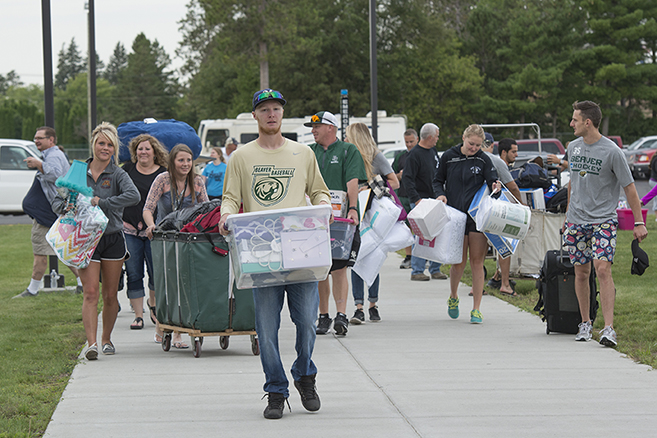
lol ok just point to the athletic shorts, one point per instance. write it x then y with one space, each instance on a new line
40 246
351 261
586 242
111 247
470 225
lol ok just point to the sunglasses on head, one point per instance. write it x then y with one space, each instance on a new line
269 94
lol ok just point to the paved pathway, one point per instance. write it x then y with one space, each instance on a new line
415 374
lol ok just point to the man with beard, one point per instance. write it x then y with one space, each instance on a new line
269 173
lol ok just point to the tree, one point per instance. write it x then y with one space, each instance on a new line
145 88
11 80
117 63
69 64
71 109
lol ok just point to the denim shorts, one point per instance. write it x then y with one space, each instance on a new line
586 242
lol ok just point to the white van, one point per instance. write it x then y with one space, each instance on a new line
245 129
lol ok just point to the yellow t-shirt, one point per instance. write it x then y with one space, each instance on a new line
265 179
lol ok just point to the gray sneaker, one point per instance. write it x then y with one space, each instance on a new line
108 348
608 337
92 352
439 276
406 263
25 294
584 333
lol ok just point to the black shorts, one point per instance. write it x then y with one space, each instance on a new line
470 225
351 261
111 247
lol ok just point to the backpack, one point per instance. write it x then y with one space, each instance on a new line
205 222
558 202
531 176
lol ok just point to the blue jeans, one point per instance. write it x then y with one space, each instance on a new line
140 252
358 289
418 264
303 303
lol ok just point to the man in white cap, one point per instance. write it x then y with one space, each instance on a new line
231 146
342 168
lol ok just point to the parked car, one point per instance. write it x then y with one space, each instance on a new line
638 155
391 153
15 177
616 139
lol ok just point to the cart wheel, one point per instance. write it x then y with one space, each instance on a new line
197 348
223 342
255 346
166 342
201 339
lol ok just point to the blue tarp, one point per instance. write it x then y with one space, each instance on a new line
168 132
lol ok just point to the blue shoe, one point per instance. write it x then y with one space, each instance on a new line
453 307
476 317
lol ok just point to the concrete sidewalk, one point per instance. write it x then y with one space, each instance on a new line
417 373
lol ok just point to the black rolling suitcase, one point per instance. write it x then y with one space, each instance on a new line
557 301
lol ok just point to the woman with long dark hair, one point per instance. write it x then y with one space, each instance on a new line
179 187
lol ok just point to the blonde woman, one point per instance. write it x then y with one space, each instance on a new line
113 191
462 171
375 164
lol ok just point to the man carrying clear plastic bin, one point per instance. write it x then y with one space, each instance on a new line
243 183
342 167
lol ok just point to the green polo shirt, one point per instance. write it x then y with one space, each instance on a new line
339 163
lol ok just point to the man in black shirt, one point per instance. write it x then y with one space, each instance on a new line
411 140
419 170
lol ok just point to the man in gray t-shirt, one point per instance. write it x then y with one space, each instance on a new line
597 171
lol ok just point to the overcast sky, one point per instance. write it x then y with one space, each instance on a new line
21 37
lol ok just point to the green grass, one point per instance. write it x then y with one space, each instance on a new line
40 339
635 313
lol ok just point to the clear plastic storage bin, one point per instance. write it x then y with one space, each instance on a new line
342 237
285 246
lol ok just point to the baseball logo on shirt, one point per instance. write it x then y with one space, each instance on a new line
270 185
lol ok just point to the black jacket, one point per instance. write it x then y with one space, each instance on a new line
460 177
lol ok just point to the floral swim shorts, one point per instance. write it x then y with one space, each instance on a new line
586 242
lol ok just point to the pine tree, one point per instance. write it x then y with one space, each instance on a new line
69 64
117 63
144 87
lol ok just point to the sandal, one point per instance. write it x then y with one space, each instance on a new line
137 324
180 345
155 338
152 312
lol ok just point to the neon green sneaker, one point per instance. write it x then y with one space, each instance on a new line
453 307
476 317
